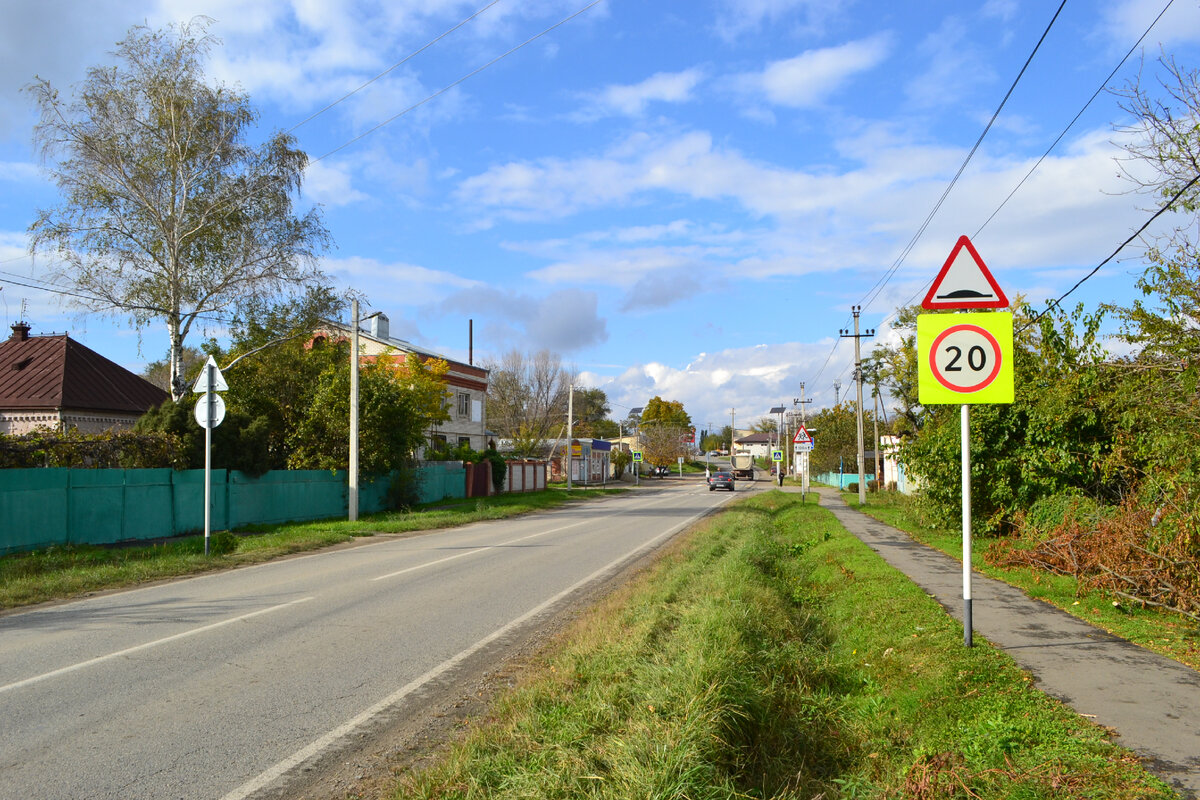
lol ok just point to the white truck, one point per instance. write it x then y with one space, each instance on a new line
743 465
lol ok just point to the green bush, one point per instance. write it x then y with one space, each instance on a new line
403 490
134 449
1050 512
852 487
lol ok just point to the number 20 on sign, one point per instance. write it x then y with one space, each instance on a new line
965 358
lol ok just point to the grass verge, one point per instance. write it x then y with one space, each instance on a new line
62 572
771 654
1154 629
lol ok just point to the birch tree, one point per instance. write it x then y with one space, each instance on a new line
168 213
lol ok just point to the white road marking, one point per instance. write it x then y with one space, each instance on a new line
331 738
146 646
509 543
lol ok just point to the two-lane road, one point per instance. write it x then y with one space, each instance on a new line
225 685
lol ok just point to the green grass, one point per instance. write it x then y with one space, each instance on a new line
64 572
1161 631
771 654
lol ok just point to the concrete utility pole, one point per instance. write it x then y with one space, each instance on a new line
862 478
878 460
352 499
570 433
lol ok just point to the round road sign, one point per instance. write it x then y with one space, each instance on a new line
965 358
202 410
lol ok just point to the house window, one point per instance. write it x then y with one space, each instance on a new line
438 441
464 440
464 405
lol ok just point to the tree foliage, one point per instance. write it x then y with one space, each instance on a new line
1097 460
527 399
667 413
168 212
664 427
397 405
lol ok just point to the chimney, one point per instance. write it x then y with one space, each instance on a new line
20 331
379 326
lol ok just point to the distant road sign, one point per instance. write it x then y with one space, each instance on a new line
802 436
637 456
964 282
777 455
965 358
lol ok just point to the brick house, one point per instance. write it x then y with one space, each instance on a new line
467 383
55 382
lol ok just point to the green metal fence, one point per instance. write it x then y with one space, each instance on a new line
45 507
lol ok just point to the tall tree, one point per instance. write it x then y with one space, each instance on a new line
527 399
664 427
168 213
666 413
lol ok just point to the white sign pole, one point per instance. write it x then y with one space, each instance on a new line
210 408
966 522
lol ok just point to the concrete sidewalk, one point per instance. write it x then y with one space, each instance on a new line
1151 701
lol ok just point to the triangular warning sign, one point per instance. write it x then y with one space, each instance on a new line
217 384
964 282
802 436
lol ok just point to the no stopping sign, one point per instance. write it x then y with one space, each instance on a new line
965 358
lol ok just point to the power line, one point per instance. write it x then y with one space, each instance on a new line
875 290
1075 119
463 79
1166 207
1054 144
399 63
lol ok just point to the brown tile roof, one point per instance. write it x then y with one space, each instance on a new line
52 372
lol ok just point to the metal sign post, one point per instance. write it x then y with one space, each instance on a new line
964 359
966 523
210 412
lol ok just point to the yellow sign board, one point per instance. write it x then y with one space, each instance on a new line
965 358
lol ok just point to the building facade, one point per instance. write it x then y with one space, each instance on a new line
466 384
57 383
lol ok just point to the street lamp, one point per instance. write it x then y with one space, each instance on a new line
780 410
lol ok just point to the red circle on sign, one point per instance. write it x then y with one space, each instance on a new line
983 384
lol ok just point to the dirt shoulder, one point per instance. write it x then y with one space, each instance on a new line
416 734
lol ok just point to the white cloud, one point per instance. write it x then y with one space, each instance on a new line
806 80
1122 22
632 100
738 17
330 184
954 67
19 172
749 380
563 321
391 285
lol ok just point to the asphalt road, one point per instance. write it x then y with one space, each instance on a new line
231 684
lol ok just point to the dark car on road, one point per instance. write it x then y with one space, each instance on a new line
721 480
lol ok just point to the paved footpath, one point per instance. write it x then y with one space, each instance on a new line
1152 702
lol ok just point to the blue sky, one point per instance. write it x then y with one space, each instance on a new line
682 199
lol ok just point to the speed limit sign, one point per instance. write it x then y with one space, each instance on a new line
965 358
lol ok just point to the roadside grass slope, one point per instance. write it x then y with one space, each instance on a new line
771 654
